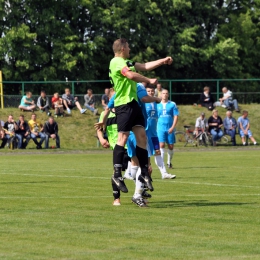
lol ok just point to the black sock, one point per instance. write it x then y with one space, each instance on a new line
142 156
118 157
116 191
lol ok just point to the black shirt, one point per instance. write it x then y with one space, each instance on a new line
213 120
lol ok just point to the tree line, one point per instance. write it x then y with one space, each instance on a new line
55 40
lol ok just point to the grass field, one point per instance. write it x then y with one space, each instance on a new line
59 206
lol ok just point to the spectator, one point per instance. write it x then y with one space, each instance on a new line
90 101
228 101
201 124
36 129
70 102
27 103
57 104
206 99
158 90
43 103
244 128
10 127
230 126
23 132
51 131
215 123
105 98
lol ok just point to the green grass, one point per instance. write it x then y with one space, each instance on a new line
77 131
59 206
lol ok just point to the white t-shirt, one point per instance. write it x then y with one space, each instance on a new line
228 94
201 123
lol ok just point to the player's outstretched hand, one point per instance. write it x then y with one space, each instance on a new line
99 125
153 81
168 60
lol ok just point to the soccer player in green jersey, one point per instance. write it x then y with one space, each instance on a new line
123 77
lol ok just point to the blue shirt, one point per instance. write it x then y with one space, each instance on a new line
244 121
152 117
166 112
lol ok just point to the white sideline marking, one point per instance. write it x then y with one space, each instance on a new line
106 178
128 196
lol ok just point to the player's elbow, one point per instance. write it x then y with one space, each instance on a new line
130 75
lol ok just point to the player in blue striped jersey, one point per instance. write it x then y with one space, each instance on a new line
151 133
167 119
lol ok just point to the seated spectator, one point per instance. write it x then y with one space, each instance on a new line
69 102
230 126
23 132
244 128
10 127
206 99
105 98
227 100
27 103
90 101
2 133
36 129
43 103
215 123
201 125
158 90
51 131
57 104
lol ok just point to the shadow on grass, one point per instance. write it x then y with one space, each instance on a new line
196 203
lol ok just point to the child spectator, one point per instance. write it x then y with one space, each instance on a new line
90 101
43 103
69 102
244 128
57 105
27 103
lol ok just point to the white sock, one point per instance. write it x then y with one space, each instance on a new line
139 187
244 143
170 155
134 170
162 153
160 164
255 142
128 170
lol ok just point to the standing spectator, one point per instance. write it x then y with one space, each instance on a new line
36 129
228 100
57 104
10 127
206 99
51 131
230 126
167 119
215 123
201 124
90 101
23 132
105 98
244 128
27 103
69 102
43 103
158 90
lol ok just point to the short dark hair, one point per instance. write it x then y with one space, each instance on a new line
245 112
22 116
43 91
150 86
119 44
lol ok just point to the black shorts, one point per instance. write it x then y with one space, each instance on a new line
128 116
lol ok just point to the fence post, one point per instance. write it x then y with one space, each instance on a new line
217 90
73 88
22 88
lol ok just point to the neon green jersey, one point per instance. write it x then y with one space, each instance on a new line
111 128
125 88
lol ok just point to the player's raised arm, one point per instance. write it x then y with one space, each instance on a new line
153 64
138 77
